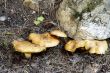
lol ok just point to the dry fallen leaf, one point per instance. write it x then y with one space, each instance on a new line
32 4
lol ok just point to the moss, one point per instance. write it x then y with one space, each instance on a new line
77 14
91 5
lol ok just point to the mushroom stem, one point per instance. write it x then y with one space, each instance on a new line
27 55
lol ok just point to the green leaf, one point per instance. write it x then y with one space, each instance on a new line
37 22
40 18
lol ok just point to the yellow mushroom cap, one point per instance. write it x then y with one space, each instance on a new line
44 39
27 47
80 43
90 44
102 47
70 46
58 33
93 46
49 40
27 2
36 39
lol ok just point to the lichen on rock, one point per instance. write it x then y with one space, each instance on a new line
94 24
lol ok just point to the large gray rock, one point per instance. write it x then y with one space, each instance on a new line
85 19
94 24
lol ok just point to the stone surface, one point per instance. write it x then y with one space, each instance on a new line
85 19
64 15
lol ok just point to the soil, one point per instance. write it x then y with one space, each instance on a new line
19 24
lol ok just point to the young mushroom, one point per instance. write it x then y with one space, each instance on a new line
70 46
90 45
44 39
58 33
27 48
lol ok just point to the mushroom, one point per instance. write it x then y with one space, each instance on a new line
27 55
80 43
93 46
102 47
27 48
72 45
39 43
90 45
58 33
44 39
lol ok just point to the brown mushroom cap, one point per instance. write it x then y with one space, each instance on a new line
58 33
27 47
44 39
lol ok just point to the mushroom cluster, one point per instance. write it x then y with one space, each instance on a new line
93 46
86 21
40 42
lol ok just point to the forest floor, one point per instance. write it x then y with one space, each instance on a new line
18 24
